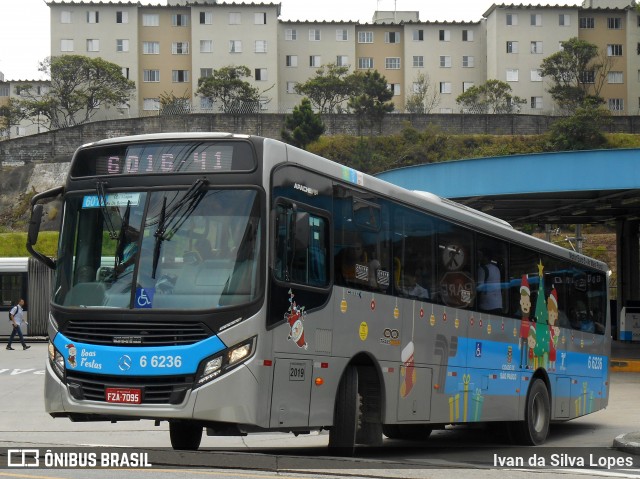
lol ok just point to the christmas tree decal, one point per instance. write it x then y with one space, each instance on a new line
541 351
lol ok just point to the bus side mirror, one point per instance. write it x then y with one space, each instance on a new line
34 224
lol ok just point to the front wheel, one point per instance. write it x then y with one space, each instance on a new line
346 415
534 429
185 436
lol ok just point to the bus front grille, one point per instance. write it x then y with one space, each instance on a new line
136 333
155 390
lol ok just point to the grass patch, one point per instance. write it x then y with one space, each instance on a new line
15 244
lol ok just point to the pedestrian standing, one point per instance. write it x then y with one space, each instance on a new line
16 315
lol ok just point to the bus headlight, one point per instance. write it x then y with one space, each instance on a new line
214 366
56 360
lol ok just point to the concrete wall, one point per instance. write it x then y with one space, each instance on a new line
58 146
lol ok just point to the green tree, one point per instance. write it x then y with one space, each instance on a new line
170 104
578 72
303 126
371 99
79 86
228 88
11 114
423 97
580 131
493 96
328 89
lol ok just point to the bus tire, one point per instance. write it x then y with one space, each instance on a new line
185 436
407 432
534 429
370 424
346 415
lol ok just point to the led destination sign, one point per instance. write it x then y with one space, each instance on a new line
164 158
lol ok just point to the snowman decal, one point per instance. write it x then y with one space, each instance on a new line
295 316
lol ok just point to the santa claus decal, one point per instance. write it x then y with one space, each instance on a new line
295 317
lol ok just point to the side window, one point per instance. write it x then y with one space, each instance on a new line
454 272
491 267
413 269
523 282
301 245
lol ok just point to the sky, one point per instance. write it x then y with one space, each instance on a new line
25 31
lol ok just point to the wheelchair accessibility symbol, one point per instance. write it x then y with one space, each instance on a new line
144 297
478 350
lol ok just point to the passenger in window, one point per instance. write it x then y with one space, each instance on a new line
203 247
554 330
488 286
525 322
411 287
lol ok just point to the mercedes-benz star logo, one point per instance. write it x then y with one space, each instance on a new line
124 363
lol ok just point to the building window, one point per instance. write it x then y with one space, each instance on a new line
536 103
342 61
291 34
125 72
512 47
365 37
151 76
261 46
206 46
536 47
235 18
151 48
342 35
395 88
466 85
122 17
151 104
180 76
261 74
291 60
365 63
180 48
65 16
93 45
315 61
512 19
314 35
66 45
206 103
444 35
206 72
179 20
418 35
93 16
536 75
418 61
614 23
616 104
564 20
392 37
206 18
536 20
467 35
150 20
260 18
468 62
4 90
587 22
392 63
122 45
291 87
614 50
615 77
445 61
235 46
512 74
588 76
445 87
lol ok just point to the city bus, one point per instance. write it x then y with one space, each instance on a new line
235 284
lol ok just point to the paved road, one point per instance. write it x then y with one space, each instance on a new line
25 425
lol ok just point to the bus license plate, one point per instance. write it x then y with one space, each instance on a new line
124 396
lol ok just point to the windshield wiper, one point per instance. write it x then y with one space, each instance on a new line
102 201
120 248
170 221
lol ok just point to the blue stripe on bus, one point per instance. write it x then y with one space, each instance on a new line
491 365
136 361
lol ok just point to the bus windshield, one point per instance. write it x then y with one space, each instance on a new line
169 249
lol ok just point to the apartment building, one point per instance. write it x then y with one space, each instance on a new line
12 89
165 49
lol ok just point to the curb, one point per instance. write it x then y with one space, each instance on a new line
625 365
629 443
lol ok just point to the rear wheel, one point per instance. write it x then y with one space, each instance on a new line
346 414
185 436
534 429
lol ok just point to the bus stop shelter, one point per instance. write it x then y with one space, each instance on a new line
577 187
